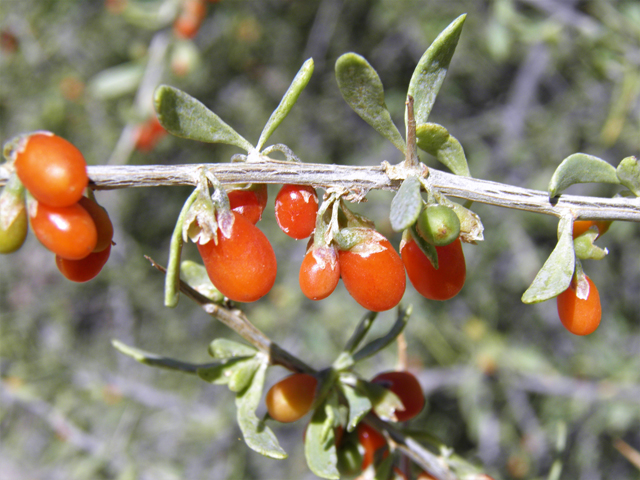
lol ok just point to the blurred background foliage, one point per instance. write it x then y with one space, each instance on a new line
532 81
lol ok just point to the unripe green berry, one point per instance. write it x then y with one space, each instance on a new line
12 238
439 225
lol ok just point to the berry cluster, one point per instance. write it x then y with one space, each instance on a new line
293 397
72 226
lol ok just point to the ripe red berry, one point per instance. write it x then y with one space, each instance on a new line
190 18
84 269
52 169
101 219
371 441
296 209
149 134
373 273
581 226
250 202
580 317
443 283
243 265
291 398
408 390
319 272
67 231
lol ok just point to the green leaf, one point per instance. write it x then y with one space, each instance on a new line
195 275
555 275
154 360
184 116
220 373
581 168
116 81
288 101
628 172
362 89
471 228
384 402
359 405
360 332
383 470
152 15
320 443
256 434
378 344
406 204
431 70
585 248
436 140
429 250
222 349
172 277
241 376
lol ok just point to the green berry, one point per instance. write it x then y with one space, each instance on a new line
439 225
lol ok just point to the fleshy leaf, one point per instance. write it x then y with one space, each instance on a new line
222 348
320 444
197 278
581 168
288 101
362 89
628 172
116 81
384 401
256 434
359 405
431 70
585 248
361 330
555 275
380 343
184 116
154 360
406 205
220 373
436 140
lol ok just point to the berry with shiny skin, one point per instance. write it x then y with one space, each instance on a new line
406 387
319 272
580 317
291 398
296 209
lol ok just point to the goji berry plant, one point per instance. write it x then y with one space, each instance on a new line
521 368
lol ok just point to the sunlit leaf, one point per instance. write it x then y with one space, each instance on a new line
288 101
195 275
184 116
555 275
471 228
359 405
360 332
222 348
220 373
154 360
383 401
581 168
362 89
628 172
378 344
116 81
585 248
256 434
241 376
406 204
152 15
436 140
431 70
320 444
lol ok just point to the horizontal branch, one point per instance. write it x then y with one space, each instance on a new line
360 180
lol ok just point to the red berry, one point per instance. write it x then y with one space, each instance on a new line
84 269
149 134
67 231
580 317
250 202
190 18
581 226
443 283
101 219
319 272
296 209
290 399
408 390
52 169
371 440
243 265
373 273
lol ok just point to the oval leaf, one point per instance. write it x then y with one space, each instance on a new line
288 101
406 205
431 70
384 402
320 444
581 168
184 116
436 140
220 373
222 349
195 275
257 435
359 405
241 376
362 89
555 275
116 81
628 172
585 248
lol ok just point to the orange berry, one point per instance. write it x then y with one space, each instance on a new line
580 317
291 398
